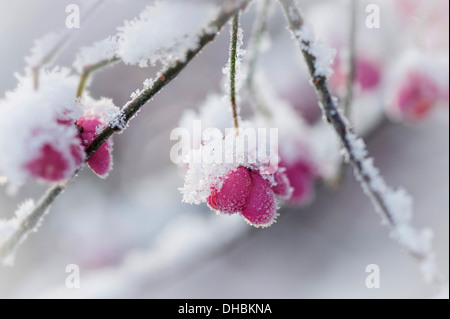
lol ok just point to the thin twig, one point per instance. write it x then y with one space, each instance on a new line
351 75
233 63
127 113
31 221
87 71
347 137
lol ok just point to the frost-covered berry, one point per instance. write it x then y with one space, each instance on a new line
260 209
282 187
101 161
232 196
418 83
301 175
50 165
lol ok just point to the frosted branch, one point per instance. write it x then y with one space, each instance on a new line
27 223
229 10
395 207
233 65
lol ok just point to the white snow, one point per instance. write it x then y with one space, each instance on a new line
103 109
44 47
164 32
323 55
9 227
100 51
29 119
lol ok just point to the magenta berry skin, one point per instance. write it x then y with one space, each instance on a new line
50 165
260 209
232 197
283 187
301 175
367 74
101 161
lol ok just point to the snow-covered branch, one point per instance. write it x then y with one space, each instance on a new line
27 219
119 123
395 206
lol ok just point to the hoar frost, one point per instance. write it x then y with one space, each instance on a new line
33 121
157 34
9 227
101 51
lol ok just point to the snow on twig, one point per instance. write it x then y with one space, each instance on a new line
394 206
120 122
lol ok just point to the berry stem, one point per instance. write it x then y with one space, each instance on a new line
88 70
233 63
230 8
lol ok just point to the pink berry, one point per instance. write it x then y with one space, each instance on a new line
283 187
301 175
232 197
51 165
367 74
101 161
260 209
416 97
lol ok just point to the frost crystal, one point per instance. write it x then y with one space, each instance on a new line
9 227
101 51
43 47
31 119
324 55
157 34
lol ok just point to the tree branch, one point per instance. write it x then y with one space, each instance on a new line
373 184
230 8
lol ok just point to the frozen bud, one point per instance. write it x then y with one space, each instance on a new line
260 209
232 196
101 161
